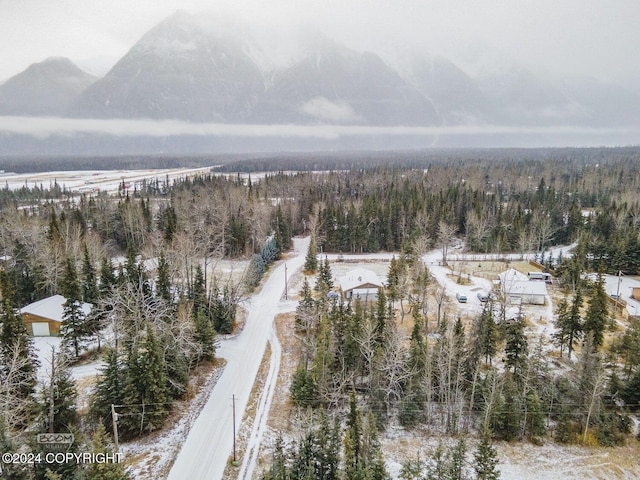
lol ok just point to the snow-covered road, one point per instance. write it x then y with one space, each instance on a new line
206 450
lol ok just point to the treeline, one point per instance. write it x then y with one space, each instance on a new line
507 207
42 163
319 161
421 159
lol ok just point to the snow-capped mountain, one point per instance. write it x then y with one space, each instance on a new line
213 69
44 88
179 69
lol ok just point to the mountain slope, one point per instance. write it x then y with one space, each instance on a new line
454 93
332 84
44 88
179 69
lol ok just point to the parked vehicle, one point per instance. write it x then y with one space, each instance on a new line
461 298
483 297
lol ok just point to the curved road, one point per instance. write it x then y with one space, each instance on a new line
209 445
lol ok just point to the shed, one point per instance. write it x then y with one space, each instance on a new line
43 318
544 276
360 283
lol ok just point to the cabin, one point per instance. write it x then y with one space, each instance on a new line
360 283
635 293
43 318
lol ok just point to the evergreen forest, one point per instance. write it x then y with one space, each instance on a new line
146 261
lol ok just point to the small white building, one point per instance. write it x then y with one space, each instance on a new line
519 290
528 292
540 276
360 283
43 318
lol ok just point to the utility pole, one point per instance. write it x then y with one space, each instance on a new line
52 388
114 420
233 399
286 288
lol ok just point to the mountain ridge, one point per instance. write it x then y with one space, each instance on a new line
190 68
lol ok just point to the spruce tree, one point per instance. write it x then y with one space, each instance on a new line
507 412
486 460
104 470
324 283
485 334
393 279
305 311
304 392
570 322
58 404
597 314
516 346
458 461
205 335
372 460
561 335
353 441
107 278
89 282
74 328
413 398
381 317
534 426
108 390
163 282
311 260
328 456
145 388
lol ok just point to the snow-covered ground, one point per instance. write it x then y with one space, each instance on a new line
42 349
207 448
88 181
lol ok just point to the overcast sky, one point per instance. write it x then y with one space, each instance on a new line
599 38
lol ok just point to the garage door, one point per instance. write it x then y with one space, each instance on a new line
40 329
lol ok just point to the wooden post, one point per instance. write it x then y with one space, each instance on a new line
52 387
114 420
233 399
286 287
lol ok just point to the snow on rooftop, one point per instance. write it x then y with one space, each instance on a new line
358 277
512 275
526 287
51 308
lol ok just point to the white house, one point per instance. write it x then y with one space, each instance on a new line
43 318
518 289
360 283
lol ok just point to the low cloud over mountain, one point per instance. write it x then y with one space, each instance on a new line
190 69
